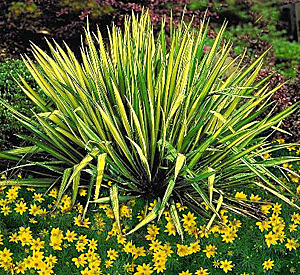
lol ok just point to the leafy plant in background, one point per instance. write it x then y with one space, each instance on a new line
173 124
86 7
28 9
12 94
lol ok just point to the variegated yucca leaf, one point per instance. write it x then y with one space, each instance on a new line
164 121
176 220
149 217
115 204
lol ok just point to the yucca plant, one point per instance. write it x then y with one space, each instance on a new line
167 122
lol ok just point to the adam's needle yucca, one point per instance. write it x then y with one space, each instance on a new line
172 123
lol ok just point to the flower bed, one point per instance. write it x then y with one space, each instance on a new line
34 241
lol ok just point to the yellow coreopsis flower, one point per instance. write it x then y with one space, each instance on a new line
210 251
51 260
37 244
128 247
56 238
13 238
93 244
82 192
190 228
276 208
159 256
295 217
144 269
229 235
295 179
255 197
195 247
138 252
108 263
34 209
81 223
226 265
152 229
266 156
268 264
53 193
168 249
83 239
121 239
264 225
278 228
38 197
80 261
241 195
3 202
271 239
37 259
95 266
280 141
183 250
159 267
20 267
185 273
152 204
281 236
109 213
292 244
5 255
24 230
170 229
265 208
70 236
5 210
180 207
235 224
12 194
293 227
202 271
189 219
25 238
112 254
56 243
275 219
141 215
56 232
155 245
125 211
21 207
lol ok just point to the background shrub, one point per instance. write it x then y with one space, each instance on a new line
11 93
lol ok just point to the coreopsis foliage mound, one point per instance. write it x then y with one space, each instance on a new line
176 124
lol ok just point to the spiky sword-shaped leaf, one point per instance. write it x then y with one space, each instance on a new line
115 205
176 220
150 217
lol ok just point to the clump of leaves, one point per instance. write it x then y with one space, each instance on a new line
175 124
12 93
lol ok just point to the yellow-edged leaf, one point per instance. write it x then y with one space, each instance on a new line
100 172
